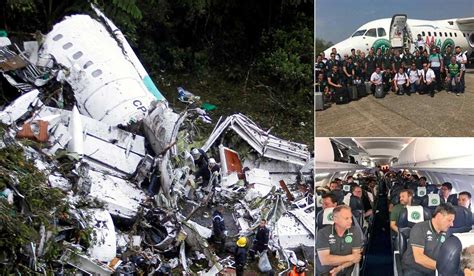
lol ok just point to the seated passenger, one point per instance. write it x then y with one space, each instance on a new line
467 261
464 199
425 242
339 246
364 201
406 197
336 190
445 194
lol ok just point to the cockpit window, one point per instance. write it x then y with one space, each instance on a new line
371 32
381 32
359 33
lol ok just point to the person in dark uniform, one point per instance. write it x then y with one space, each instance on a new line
338 246
348 70
448 53
445 194
425 242
371 63
207 172
240 256
335 80
396 61
354 56
320 66
218 229
262 236
418 60
323 87
200 158
387 61
379 58
363 65
408 59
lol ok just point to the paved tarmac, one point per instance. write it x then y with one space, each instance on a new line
445 115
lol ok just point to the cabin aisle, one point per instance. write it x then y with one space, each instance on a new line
379 256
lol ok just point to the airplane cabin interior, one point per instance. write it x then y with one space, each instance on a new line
385 168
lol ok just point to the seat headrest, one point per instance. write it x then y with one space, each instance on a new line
319 201
327 216
466 239
415 214
421 191
411 215
346 188
448 261
433 200
463 217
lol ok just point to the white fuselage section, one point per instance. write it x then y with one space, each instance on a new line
435 32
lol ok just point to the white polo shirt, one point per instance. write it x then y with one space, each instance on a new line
413 75
429 75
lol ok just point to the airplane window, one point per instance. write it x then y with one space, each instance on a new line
371 32
464 34
451 34
67 45
89 63
77 55
57 37
446 34
97 73
429 33
422 33
434 34
455 34
381 32
359 33
441 34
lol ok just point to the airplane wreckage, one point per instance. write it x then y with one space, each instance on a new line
97 175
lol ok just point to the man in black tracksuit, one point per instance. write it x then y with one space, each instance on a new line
260 242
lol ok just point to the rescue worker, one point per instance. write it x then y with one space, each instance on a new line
218 229
338 246
406 198
298 269
205 173
262 236
240 256
200 158
425 242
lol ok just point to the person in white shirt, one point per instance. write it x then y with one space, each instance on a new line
462 59
420 43
414 78
427 80
375 79
401 83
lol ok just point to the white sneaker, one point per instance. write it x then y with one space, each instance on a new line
457 94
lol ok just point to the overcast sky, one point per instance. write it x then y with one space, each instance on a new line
338 19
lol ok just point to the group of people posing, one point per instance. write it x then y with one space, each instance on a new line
398 70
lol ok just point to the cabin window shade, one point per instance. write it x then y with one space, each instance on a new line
371 32
423 33
429 33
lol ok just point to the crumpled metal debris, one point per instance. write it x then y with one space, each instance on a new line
132 209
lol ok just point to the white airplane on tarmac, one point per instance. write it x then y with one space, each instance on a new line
399 31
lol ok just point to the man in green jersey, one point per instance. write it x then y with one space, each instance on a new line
454 76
